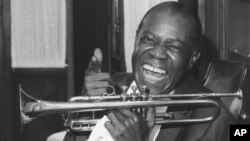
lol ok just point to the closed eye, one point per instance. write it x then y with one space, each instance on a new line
147 39
174 48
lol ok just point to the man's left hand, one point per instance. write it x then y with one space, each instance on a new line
125 125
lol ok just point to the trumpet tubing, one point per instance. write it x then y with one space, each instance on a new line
32 108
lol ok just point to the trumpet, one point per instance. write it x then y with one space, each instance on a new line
32 108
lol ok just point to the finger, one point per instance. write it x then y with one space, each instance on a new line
129 115
98 54
96 84
116 119
128 123
109 126
119 115
96 92
94 66
95 62
132 121
97 76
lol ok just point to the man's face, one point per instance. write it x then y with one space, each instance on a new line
162 52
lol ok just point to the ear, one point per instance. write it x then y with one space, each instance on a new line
194 57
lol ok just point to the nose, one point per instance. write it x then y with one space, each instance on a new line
159 52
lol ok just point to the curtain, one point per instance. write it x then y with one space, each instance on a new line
38 33
134 10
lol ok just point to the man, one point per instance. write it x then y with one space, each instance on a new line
166 47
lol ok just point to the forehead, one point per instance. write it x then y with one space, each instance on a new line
166 25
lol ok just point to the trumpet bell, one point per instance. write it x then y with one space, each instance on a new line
25 104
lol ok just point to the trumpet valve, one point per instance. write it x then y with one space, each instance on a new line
134 97
124 95
145 92
134 88
144 97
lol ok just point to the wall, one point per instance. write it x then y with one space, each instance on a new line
9 129
91 22
237 30
45 84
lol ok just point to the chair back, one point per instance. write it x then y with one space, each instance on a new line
228 76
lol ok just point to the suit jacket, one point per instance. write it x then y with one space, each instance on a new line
217 130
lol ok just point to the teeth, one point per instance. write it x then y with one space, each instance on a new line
153 78
156 70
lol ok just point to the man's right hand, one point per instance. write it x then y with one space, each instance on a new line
95 82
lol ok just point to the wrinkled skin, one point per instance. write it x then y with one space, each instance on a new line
163 44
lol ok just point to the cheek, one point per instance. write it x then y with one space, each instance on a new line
179 66
137 56
135 60
180 60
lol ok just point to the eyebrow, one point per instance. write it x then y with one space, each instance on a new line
166 41
170 40
152 34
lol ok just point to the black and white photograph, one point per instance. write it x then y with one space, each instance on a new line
124 70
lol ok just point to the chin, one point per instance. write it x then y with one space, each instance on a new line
158 90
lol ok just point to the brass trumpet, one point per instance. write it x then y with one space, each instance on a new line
32 108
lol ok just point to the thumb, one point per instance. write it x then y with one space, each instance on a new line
98 54
95 63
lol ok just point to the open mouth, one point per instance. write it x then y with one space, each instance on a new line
153 74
